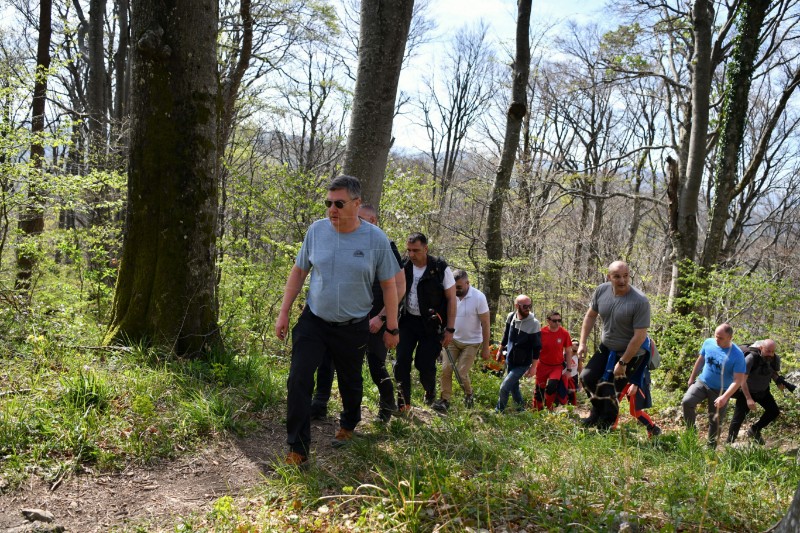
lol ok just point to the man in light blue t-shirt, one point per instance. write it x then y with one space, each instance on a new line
344 255
723 372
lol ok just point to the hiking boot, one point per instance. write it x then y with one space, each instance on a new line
343 436
441 405
653 431
295 459
755 435
318 413
430 397
384 415
589 421
469 401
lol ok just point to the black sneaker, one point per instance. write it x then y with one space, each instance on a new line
755 435
654 431
441 405
318 414
430 397
469 401
384 415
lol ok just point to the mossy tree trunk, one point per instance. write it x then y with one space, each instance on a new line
735 106
516 112
165 293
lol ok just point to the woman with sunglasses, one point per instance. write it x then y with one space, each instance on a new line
553 365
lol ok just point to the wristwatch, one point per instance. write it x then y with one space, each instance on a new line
395 331
451 330
622 363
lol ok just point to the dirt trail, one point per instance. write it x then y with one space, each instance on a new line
156 494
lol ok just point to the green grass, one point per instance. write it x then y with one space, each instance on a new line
69 407
533 471
74 407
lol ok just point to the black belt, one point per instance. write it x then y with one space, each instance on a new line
341 324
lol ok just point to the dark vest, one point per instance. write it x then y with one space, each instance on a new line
430 290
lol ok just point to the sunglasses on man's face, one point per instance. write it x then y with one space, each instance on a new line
524 306
554 319
338 203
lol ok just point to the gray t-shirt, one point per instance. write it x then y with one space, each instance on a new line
621 314
759 376
343 266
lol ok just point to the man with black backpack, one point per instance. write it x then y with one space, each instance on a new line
427 322
763 366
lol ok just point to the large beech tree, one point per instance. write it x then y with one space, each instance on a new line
381 46
165 291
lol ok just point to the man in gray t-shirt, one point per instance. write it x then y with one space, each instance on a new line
344 256
763 366
625 311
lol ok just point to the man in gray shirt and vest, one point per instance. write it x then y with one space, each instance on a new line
344 255
624 346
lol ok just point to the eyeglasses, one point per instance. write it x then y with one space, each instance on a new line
338 203
554 320
524 306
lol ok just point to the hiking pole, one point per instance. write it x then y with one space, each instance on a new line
453 364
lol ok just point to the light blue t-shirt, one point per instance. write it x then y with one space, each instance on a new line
721 364
343 266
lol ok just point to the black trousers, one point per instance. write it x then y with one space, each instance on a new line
313 340
376 360
764 399
603 395
413 336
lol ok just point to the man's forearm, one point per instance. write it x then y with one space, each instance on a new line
586 326
696 368
390 300
452 306
733 387
294 284
634 345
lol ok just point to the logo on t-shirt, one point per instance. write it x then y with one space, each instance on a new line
358 253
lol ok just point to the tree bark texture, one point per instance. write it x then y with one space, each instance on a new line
31 221
514 116
735 104
122 88
96 85
684 191
382 42
165 291
791 522
685 240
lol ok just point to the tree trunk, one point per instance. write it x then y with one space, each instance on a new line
121 63
31 220
96 85
165 291
382 42
735 105
516 112
686 193
790 522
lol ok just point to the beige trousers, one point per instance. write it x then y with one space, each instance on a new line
464 356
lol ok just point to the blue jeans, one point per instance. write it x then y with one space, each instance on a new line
510 385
